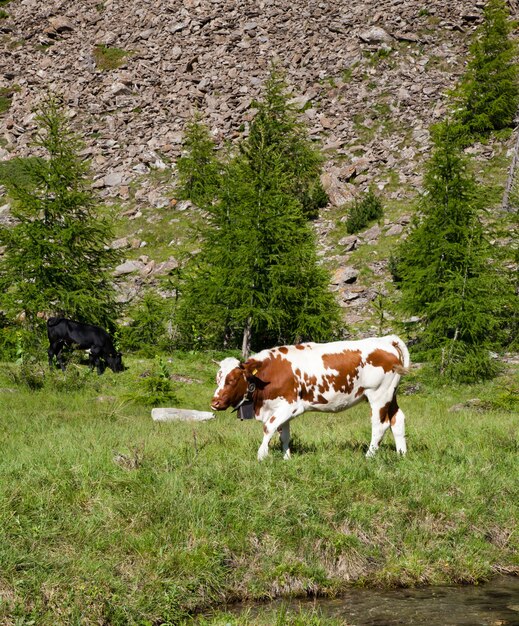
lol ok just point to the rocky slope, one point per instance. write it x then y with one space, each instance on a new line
369 76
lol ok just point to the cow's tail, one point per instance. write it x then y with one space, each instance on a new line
403 354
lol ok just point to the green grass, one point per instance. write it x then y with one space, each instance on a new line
6 93
108 517
107 58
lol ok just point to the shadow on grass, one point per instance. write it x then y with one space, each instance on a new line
300 446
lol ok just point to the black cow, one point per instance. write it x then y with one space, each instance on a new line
63 332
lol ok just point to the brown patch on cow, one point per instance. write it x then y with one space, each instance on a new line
283 350
383 359
277 372
326 384
310 379
321 399
347 364
272 419
301 346
306 394
251 367
360 391
389 410
265 429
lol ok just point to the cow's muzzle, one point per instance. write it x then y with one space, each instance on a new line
216 405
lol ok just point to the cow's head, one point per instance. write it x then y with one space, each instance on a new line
115 362
233 380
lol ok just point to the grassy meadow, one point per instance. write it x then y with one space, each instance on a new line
107 517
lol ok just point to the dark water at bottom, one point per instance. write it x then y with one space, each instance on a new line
495 603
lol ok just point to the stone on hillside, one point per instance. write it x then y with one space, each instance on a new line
395 229
128 267
375 34
147 269
120 89
114 179
166 267
338 193
60 24
350 242
344 276
120 243
372 234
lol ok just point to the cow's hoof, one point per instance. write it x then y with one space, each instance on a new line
262 454
286 456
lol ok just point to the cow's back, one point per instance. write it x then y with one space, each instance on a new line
84 335
320 371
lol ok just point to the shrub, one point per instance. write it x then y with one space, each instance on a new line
363 211
149 329
74 378
29 373
155 387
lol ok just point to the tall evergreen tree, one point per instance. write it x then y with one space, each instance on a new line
256 280
446 269
198 168
56 256
277 125
489 91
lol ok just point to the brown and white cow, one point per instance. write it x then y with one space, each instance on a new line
286 381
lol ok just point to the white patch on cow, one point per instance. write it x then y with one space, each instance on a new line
226 366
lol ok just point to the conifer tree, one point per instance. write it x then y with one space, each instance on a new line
56 255
446 271
256 281
198 168
489 92
276 125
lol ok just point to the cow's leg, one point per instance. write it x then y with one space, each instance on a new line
285 440
92 360
276 421
386 413
378 430
50 352
398 430
382 409
95 360
54 350
58 351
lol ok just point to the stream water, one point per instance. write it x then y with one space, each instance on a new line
495 603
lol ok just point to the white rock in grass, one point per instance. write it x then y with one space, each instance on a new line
185 415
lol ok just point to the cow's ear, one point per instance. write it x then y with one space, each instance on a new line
252 372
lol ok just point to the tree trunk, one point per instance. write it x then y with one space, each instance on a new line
245 346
